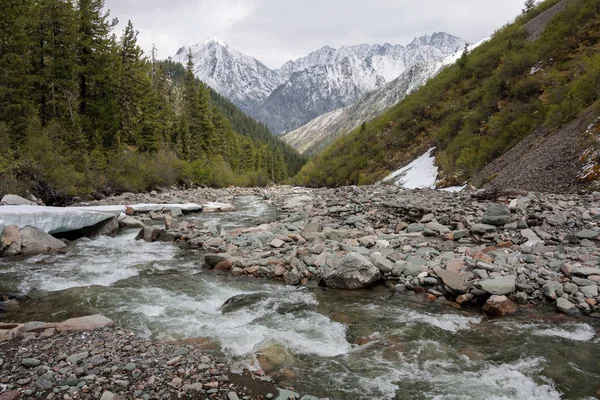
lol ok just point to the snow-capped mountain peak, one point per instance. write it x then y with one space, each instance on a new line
217 40
324 80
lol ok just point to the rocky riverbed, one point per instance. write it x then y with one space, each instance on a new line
472 247
267 284
87 358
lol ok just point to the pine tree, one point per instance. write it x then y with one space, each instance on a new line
16 105
529 5
134 88
98 58
55 63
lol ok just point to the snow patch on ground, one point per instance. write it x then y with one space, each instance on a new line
419 174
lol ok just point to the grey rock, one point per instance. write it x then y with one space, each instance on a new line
497 286
11 241
497 215
353 271
130 222
111 396
570 288
382 263
108 227
550 289
482 229
566 306
586 271
277 243
582 281
589 291
453 280
36 242
291 278
14 200
149 234
587 234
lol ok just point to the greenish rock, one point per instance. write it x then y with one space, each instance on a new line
130 366
589 291
498 286
284 394
415 228
586 271
30 362
75 358
497 215
182 351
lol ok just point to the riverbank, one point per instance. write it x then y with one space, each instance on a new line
89 358
473 248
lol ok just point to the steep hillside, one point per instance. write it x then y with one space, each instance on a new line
325 80
477 110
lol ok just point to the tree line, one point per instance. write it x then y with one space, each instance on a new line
83 110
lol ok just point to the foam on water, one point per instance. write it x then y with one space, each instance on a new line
101 262
447 322
242 331
579 332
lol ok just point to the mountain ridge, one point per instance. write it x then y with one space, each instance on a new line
302 89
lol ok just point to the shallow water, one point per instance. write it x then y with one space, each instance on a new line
345 345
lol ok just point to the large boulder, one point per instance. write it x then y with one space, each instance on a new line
88 323
499 306
566 306
498 215
149 234
213 259
36 242
14 200
353 271
10 241
497 286
453 280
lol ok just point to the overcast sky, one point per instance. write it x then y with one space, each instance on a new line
275 31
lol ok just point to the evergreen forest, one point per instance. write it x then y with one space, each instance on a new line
84 111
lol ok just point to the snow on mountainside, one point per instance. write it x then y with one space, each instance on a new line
318 133
245 81
323 81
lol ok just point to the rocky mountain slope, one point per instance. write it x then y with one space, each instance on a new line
323 81
533 87
321 131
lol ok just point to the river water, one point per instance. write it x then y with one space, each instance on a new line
368 344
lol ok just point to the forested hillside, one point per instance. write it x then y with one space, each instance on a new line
479 108
83 110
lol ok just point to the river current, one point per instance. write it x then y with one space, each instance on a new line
370 344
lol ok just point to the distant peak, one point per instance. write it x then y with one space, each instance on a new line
214 39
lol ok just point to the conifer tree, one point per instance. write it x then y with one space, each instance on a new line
16 105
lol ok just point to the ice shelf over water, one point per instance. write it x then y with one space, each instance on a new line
65 219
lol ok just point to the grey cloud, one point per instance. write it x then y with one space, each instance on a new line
275 31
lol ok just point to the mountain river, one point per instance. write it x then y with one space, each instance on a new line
369 344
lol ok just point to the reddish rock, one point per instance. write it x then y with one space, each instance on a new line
12 395
591 302
454 265
431 298
279 270
226 265
252 270
129 211
483 257
464 298
499 306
